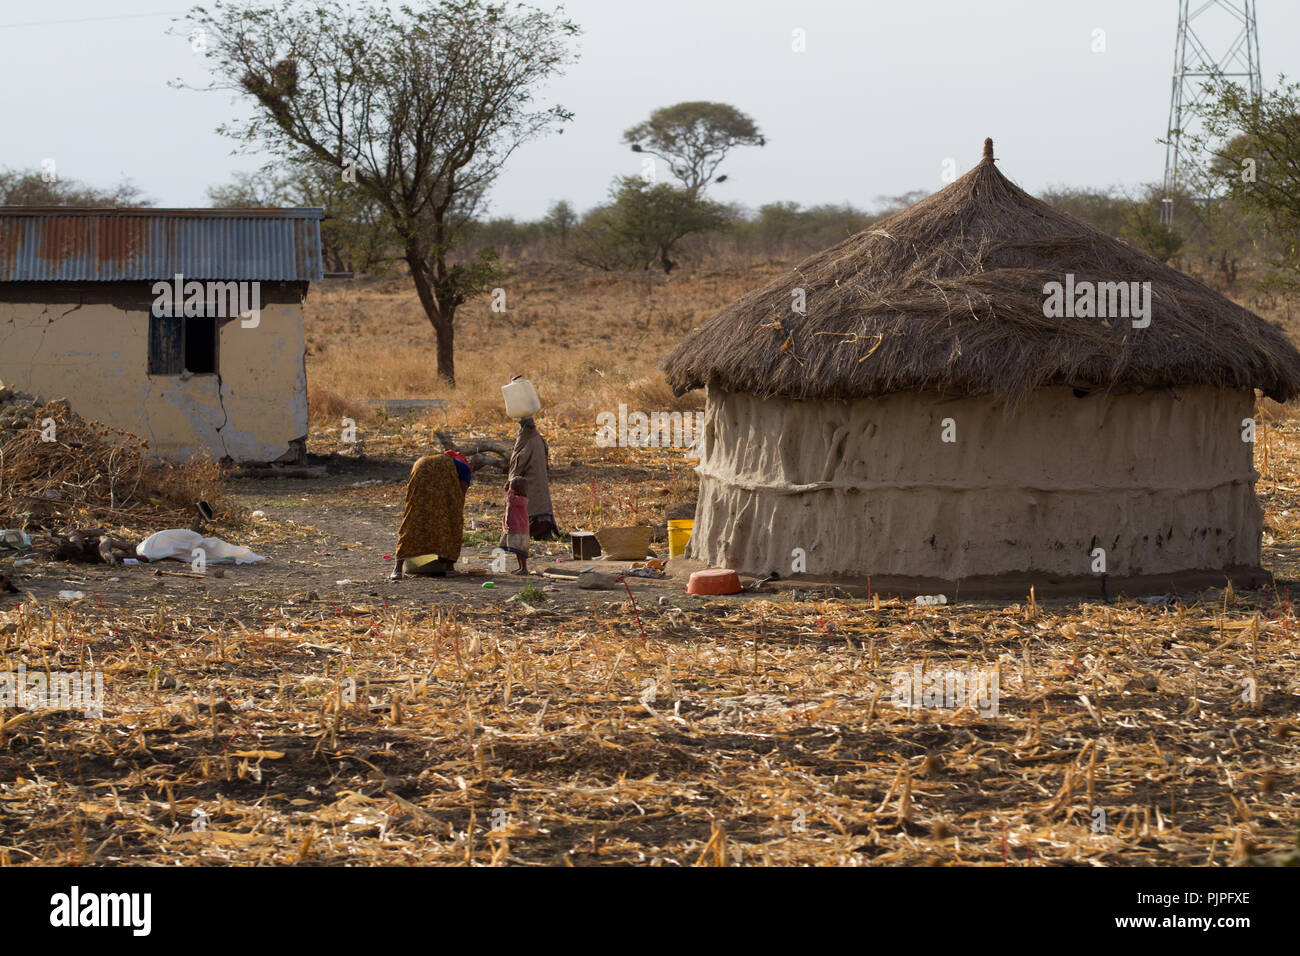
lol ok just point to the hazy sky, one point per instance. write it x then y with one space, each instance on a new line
885 92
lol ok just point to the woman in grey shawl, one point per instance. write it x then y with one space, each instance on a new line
530 460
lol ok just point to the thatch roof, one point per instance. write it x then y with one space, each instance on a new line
948 295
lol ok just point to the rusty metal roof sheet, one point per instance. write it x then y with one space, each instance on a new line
67 244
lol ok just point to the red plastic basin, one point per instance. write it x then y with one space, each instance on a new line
714 581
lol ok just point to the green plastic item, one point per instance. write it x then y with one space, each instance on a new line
488 584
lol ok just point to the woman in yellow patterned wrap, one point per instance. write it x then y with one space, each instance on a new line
434 519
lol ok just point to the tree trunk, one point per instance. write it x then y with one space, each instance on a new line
441 316
445 332
334 260
664 262
1229 270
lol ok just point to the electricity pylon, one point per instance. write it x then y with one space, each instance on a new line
1217 39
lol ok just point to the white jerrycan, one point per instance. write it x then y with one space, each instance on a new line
521 398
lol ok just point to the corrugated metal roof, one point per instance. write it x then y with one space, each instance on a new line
66 244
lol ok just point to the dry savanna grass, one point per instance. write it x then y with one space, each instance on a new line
587 340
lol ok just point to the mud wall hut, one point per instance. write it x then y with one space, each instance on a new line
967 401
182 326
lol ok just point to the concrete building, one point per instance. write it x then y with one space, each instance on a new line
182 326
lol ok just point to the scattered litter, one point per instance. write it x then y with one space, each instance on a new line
25 563
344 581
654 568
180 544
14 540
643 573
259 514
930 599
362 484
813 594
72 595
131 561
488 584
1154 599
593 580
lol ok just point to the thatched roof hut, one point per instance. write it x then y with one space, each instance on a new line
948 295
982 386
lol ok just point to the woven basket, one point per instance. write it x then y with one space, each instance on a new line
624 544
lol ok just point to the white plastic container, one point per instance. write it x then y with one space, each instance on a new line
521 398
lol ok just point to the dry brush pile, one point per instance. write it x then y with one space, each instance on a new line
59 471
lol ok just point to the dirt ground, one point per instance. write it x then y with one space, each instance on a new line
331 540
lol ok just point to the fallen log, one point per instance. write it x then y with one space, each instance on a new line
315 471
475 447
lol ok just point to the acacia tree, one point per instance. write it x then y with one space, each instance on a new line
693 139
1142 227
560 218
355 235
643 224
31 188
419 108
1251 152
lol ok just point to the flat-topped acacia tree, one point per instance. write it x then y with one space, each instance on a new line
693 139
421 107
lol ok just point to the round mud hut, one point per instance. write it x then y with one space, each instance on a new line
982 392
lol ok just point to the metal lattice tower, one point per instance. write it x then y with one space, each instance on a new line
1217 39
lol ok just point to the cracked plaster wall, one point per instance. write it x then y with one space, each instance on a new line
96 355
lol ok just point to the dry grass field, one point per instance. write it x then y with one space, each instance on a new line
587 340
308 712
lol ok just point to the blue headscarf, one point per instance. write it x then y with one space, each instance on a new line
463 470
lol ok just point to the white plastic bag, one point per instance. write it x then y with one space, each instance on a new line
178 543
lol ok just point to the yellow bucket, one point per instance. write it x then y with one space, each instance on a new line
679 532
